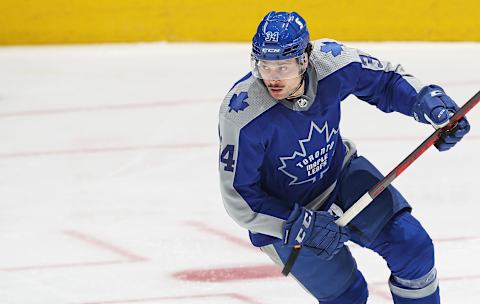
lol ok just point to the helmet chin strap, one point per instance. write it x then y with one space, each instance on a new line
294 93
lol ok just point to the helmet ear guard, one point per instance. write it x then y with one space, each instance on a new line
303 62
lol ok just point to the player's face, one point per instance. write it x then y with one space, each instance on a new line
281 77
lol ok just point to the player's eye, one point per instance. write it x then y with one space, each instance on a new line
264 68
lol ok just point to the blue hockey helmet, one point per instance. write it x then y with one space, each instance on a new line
280 36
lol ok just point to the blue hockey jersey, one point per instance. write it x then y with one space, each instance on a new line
274 154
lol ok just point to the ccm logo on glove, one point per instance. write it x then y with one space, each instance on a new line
315 230
307 219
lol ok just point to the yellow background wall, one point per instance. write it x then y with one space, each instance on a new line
82 21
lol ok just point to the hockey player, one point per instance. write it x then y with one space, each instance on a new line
284 164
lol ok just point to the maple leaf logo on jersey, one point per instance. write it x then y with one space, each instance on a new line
313 160
238 103
333 47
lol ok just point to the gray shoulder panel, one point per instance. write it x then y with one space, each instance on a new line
256 101
328 62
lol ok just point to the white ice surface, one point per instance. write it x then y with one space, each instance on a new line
109 185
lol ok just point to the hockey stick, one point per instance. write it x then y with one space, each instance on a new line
375 191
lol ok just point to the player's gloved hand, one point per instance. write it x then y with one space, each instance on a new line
435 107
315 230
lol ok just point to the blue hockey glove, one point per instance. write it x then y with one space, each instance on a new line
315 230
435 107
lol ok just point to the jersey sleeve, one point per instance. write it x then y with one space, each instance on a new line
240 162
378 82
385 85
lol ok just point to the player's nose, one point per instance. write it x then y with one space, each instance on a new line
274 82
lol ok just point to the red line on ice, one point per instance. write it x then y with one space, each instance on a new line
104 245
229 274
26 154
65 265
118 107
459 278
228 237
123 253
456 239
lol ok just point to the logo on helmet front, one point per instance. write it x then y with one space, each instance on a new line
271 36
